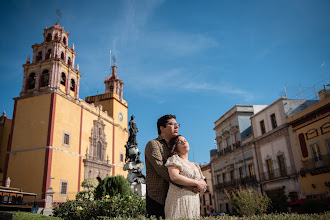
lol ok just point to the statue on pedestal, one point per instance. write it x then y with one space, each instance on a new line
132 158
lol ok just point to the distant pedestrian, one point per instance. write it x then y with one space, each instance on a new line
34 208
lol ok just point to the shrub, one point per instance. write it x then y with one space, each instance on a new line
89 189
248 202
127 206
113 185
313 206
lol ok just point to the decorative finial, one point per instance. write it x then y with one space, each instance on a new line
59 15
77 68
4 113
28 59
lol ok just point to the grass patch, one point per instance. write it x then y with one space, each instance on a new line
32 216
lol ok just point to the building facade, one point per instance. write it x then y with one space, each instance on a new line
56 139
207 199
277 163
233 164
310 135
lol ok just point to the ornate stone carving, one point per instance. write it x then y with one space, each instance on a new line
96 162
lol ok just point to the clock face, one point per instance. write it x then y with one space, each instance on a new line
120 116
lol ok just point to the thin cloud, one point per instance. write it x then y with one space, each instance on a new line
323 64
180 81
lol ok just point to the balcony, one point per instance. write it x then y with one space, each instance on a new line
316 165
237 145
227 150
236 182
278 173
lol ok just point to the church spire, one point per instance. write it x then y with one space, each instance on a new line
113 84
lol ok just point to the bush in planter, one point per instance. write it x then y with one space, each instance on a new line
113 185
248 202
127 206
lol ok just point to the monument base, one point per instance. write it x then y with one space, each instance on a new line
139 188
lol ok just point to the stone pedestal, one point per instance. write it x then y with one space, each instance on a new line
49 198
139 188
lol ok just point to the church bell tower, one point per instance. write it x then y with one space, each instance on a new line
52 66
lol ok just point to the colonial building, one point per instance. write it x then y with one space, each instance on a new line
310 131
56 139
277 163
207 200
234 162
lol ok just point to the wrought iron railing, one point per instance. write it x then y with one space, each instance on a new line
277 173
236 182
316 163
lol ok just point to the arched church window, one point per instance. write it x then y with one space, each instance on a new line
56 37
62 56
39 56
49 54
69 61
44 78
31 81
99 150
49 37
100 131
63 79
64 40
73 84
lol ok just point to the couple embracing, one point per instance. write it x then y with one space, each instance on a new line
173 182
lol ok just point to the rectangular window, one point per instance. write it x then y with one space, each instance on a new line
251 170
273 120
281 163
121 158
66 139
316 151
228 142
210 198
203 199
223 177
270 168
240 171
232 175
64 188
262 127
218 179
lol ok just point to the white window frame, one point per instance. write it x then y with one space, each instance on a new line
63 140
67 187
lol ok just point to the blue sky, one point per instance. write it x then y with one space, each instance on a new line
194 59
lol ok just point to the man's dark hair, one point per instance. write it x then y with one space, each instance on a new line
162 121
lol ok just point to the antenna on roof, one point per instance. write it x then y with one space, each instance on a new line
59 15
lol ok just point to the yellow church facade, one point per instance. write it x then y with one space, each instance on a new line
56 139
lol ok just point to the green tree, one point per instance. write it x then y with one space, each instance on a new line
248 202
113 185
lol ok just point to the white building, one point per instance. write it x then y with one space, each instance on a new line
234 161
277 164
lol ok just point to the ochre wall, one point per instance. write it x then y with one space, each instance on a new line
319 179
26 162
4 136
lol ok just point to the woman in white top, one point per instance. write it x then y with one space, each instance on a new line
182 202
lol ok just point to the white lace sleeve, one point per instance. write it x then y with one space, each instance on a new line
174 161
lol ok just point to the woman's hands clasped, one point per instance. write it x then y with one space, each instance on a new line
201 185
